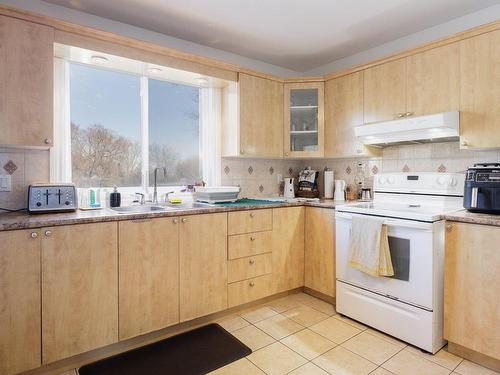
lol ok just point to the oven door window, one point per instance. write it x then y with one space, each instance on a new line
400 257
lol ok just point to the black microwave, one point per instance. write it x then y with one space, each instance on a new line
482 188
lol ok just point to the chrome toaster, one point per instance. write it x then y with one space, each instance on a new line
44 198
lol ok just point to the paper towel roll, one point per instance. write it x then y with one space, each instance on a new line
328 179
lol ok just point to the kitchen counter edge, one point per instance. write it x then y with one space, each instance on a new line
464 216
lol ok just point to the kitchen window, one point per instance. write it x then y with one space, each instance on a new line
115 126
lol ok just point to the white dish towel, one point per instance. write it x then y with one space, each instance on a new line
370 246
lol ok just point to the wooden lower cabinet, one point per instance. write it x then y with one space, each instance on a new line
148 275
288 248
472 288
320 250
203 265
79 289
19 301
250 290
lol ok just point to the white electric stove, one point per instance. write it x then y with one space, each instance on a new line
408 305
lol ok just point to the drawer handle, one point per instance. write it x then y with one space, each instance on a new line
251 261
48 233
252 214
34 234
252 238
184 220
175 221
251 283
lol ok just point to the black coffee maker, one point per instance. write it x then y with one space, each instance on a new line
482 188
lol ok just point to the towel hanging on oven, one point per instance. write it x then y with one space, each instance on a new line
369 251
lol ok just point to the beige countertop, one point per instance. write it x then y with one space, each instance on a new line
23 220
465 216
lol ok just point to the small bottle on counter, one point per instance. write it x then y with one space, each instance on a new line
115 198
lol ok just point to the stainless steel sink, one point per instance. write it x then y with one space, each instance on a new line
139 209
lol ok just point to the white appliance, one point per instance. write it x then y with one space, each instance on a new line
408 305
217 194
289 191
439 127
339 195
328 182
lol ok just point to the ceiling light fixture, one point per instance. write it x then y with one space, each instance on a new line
96 59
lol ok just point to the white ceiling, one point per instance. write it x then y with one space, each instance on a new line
295 34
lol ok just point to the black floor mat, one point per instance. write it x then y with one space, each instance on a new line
191 353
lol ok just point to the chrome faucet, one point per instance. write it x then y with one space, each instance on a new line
155 192
141 200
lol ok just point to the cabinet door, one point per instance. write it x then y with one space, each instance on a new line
26 83
472 287
385 91
480 91
288 248
343 112
304 119
19 301
203 265
433 81
79 289
320 250
261 116
149 275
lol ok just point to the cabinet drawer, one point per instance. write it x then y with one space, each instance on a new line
249 221
249 290
245 268
244 245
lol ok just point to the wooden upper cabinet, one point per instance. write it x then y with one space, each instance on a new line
19 301
320 250
203 265
303 132
261 116
79 289
480 91
26 83
433 84
149 275
343 112
385 91
288 248
472 288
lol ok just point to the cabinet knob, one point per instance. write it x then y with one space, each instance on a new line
286 153
464 143
251 283
252 214
175 221
251 261
48 233
408 114
252 238
400 115
184 220
242 152
34 234
47 141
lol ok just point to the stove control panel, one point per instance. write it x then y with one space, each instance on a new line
43 198
421 183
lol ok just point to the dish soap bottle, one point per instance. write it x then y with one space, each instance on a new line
115 198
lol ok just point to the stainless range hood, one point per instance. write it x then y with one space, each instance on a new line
440 127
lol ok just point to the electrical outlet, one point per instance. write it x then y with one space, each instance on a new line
5 182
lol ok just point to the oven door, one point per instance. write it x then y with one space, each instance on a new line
411 245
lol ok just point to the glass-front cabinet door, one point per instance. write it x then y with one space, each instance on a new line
304 120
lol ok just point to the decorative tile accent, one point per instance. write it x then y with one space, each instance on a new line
250 170
290 171
227 169
406 168
374 169
10 167
271 170
261 188
348 170
441 168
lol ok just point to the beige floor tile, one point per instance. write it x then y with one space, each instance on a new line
315 303
443 358
276 359
257 314
305 315
309 369
352 322
279 326
308 343
469 368
283 304
253 337
242 366
232 323
371 347
408 363
335 330
340 361
386 337
381 371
